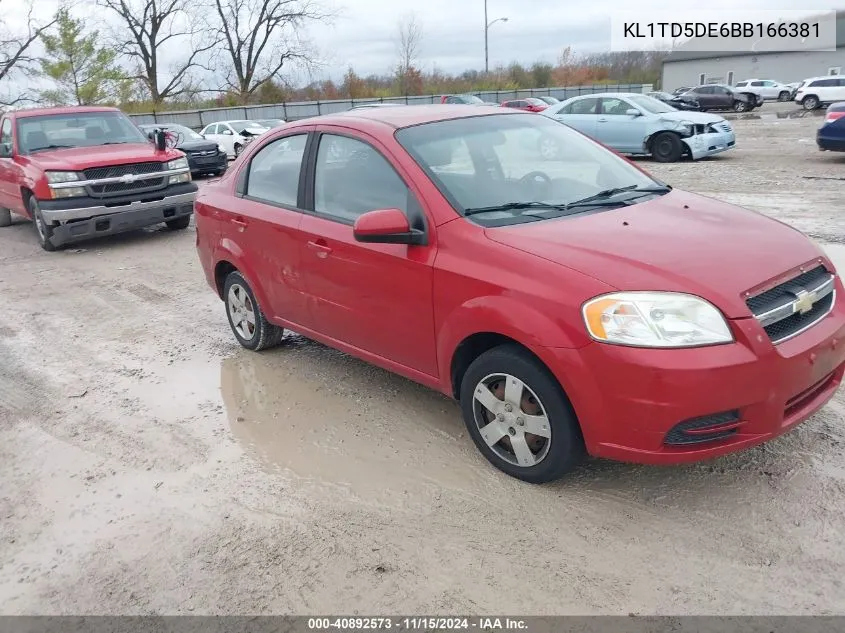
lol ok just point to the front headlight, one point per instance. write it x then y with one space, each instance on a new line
179 163
655 319
221 149
178 178
55 177
68 192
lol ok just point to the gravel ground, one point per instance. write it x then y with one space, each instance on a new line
149 465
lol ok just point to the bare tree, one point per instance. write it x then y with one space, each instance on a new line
409 43
150 25
260 37
15 47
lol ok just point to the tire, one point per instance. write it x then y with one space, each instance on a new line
784 96
810 102
666 147
179 223
740 106
42 229
5 217
238 149
263 334
555 455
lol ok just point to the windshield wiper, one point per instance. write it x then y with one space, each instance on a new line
603 197
38 149
118 142
513 206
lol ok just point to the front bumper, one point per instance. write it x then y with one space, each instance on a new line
830 144
629 399
201 164
701 145
74 209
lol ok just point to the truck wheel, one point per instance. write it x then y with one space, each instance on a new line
5 217
247 320
666 147
179 223
518 416
43 230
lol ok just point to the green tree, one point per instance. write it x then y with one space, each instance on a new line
84 74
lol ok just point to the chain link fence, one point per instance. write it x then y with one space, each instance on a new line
198 119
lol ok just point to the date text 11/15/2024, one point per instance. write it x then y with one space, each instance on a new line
482 624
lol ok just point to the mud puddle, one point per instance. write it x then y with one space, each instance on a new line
302 410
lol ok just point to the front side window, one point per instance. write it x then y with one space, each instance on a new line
649 104
352 178
615 107
84 129
274 171
585 106
491 162
6 133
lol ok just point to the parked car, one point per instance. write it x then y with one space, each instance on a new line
793 88
635 124
549 99
573 307
270 123
682 90
764 89
530 104
83 172
462 99
820 91
233 135
831 135
675 102
377 104
719 97
204 156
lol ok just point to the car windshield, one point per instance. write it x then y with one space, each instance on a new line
269 122
186 133
533 101
471 99
650 104
245 125
494 167
81 129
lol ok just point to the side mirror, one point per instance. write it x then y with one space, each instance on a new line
5 150
633 112
386 226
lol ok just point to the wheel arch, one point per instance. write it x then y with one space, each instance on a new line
230 258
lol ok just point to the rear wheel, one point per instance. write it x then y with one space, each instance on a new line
783 96
247 320
5 217
179 223
43 230
810 102
666 147
518 416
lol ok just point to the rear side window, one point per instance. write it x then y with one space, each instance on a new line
274 171
757 83
352 178
742 84
585 106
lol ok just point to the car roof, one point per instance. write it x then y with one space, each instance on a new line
411 115
822 77
30 112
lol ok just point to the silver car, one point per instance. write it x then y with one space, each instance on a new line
637 124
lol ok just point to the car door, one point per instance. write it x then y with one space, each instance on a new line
373 297
618 129
9 169
211 134
724 97
581 114
266 223
705 97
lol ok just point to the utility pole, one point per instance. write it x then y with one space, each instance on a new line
487 26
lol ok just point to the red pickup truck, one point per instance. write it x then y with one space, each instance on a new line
83 172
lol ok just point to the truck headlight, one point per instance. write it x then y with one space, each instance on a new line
178 163
177 178
655 319
56 177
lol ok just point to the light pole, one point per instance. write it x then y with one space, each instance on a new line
487 26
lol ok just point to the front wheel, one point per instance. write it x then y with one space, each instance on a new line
247 320
44 230
179 223
810 103
518 416
740 106
784 96
666 147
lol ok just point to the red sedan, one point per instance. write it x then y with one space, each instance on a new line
573 306
529 105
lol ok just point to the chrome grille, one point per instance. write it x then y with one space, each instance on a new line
795 305
140 185
115 171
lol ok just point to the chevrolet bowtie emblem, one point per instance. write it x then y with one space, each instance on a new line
804 301
128 178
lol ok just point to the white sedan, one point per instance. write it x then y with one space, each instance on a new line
233 136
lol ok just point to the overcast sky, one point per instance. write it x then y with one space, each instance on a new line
364 32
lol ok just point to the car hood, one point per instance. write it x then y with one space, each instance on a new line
197 146
702 118
80 158
678 242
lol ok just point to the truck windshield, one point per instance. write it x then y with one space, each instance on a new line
76 129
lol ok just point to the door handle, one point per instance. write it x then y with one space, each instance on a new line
241 223
602 120
320 247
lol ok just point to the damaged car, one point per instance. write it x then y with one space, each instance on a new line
636 124
233 136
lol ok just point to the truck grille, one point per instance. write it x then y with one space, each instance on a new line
122 188
795 305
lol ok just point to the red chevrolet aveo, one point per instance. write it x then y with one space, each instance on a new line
573 306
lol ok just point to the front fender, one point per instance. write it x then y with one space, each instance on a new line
229 251
507 316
